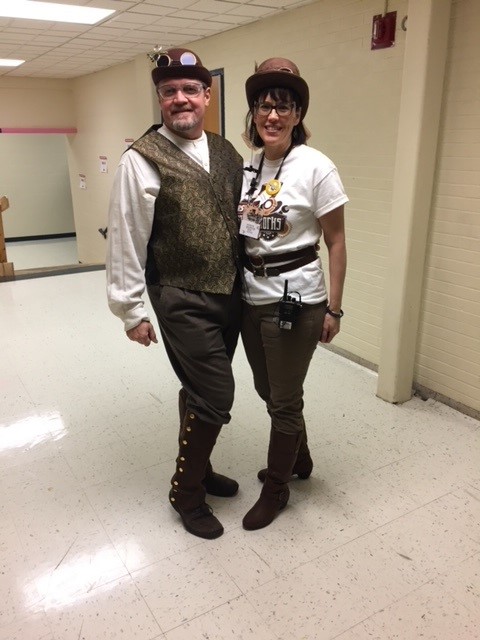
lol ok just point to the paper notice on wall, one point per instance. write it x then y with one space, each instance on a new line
103 164
128 142
83 181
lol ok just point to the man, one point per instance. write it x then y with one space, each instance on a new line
172 228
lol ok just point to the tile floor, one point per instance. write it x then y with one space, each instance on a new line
381 543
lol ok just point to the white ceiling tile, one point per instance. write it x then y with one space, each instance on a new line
137 26
252 11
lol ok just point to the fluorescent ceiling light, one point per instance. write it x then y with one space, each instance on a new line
50 11
5 62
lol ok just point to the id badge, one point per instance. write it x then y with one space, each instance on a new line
250 229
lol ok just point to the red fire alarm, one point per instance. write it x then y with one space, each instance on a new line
383 30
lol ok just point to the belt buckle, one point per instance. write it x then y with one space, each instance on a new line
259 270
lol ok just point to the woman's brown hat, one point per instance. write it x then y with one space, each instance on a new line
180 63
277 73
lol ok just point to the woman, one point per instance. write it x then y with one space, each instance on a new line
292 195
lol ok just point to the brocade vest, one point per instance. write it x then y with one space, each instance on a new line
194 242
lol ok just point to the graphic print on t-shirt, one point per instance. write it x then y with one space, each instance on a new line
269 213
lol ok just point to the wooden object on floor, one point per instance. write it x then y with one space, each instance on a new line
6 268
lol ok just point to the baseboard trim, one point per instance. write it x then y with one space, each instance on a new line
418 390
47 272
48 236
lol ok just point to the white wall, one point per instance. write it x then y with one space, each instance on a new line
34 175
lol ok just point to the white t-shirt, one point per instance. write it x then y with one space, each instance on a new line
310 188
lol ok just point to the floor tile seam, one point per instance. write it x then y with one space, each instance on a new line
473 487
446 590
410 455
376 527
431 581
200 615
85 484
212 557
322 555
114 546
367 619
144 600
171 556
432 573
383 607
371 617
88 592
417 508
412 497
26 618
261 614
244 592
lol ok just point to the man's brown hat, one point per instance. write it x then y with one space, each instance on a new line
180 63
277 73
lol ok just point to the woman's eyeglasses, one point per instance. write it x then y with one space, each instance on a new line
189 89
282 108
187 58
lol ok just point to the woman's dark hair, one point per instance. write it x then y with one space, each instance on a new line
299 134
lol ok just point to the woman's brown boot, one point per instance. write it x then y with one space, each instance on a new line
187 495
282 453
303 464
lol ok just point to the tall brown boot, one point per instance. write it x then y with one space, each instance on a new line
187 495
215 484
303 464
282 453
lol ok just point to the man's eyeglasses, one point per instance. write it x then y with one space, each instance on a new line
187 58
189 90
282 108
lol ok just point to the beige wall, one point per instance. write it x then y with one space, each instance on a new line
356 97
448 352
111 106
34 176
33 168
36 102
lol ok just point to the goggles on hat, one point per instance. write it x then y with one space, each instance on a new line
270 69
186 59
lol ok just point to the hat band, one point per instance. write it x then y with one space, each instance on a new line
186 59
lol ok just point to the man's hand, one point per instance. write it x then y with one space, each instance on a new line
143 333
331 326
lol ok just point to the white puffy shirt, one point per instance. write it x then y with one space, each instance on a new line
136 186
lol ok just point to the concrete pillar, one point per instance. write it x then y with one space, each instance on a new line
422 90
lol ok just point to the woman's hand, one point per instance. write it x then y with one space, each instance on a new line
331 326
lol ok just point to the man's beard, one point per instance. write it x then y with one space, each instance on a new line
185 124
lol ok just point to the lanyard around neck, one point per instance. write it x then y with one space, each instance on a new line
256 179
